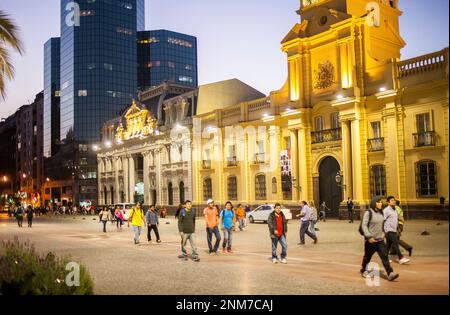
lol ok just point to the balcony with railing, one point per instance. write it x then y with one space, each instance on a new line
376 145
324 136
207 164
232 161
425 139
422 64
260 158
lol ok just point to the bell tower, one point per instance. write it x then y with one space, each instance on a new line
341 45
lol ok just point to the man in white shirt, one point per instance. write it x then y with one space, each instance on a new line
305 216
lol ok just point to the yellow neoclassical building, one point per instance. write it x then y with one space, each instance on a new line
353 120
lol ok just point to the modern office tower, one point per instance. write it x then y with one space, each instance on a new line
166 56
51 96
98 63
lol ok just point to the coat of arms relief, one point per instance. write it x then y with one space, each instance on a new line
324 75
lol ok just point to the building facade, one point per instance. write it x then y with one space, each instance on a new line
147 157
166 56
8 158
353 120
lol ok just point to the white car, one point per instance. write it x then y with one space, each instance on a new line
262 213
126 208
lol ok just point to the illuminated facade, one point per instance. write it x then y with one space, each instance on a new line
353 120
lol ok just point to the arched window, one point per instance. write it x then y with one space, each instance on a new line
112 195
378 181
207 189
260 187
170 194
232 188
274 185
426 179
105 196
182 193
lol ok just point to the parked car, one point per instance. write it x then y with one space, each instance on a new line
126 208
262 213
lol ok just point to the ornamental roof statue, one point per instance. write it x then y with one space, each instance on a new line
140 123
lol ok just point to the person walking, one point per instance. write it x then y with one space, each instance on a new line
227 221
177 214
323 212
152 224
241 216
372 226
401 226
305 219
186 226
119 218
278 229
314 217
19 214
212 227
30 216
391 228
105 217
137 220
351 210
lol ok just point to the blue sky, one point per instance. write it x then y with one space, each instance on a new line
237 38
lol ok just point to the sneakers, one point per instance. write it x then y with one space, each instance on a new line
316 241
284 261
212 254
393 276
365 274
159 242
410 252
301 244
182 257
404 261
275 260
230 251
196 259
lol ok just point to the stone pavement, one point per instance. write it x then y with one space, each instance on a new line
331 267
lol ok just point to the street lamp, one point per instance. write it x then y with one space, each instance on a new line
339 180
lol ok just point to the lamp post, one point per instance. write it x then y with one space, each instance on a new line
339 181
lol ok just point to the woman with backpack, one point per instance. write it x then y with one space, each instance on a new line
105 216
372 228
226 222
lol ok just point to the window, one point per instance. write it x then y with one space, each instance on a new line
274 185
82 93
182 193
108 66
260 187
426 178
207 189
335 121
232 188
318 123
378 180
423 123
170 194
183 78
376 129
171 64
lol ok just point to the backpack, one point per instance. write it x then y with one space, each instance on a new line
370 220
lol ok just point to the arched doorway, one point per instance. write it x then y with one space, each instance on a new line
182 193
112 195
170 194
330 191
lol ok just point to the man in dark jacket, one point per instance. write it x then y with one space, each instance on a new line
278 229
186 226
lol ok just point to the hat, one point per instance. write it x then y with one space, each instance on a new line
209 201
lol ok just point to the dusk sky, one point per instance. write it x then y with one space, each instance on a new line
237 38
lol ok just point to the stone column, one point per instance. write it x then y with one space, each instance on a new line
295 165
347 158
99 181
116 179
147 197
132 178
126 177
305 176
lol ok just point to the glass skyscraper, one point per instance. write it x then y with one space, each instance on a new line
51 96
166 56
98 64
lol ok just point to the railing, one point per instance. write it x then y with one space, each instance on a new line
260 158
207 164
231 112
326 135
232 161
376 144
425 139
258 105
423 63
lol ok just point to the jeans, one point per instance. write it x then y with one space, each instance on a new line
304 230
312 226
241 224
119 223
192 239
137 233
104 226
30 222
350 216
401 242
227 238
210 232
151 228
283 243
370 250
392 244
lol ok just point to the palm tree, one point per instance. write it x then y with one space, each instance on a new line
9 39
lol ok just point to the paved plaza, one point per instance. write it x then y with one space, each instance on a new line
331 267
